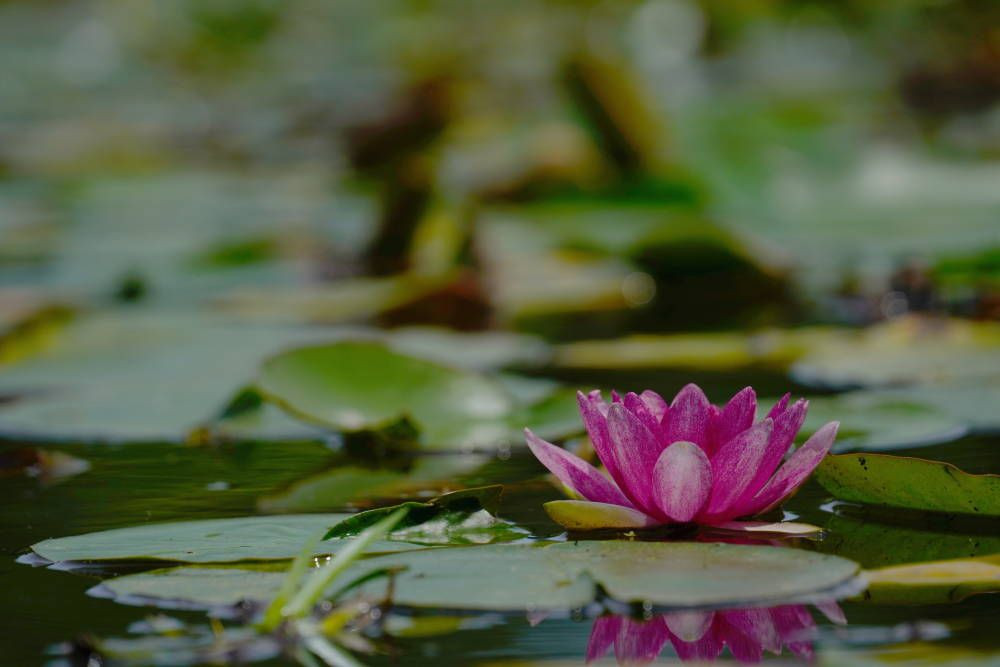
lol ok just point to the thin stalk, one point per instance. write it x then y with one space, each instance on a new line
272 617
310 593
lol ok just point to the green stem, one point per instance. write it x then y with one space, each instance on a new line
272 617
307 597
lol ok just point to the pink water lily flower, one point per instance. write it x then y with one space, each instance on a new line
689 461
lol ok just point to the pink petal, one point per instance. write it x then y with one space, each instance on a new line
602 636
682 479
832 611
639 643
737 416
802 650
757 625
689 626
637 407
655 403
795 626
594 411
786 426
732 469
689 417
635 452
705 649
743 647
796 470
779 407
574 472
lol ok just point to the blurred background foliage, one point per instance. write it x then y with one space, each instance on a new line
578 169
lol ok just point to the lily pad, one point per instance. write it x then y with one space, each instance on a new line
347 485
900 481
540 576
200 363
933 582
347 300
878 421
972 403
92 383
904 351
354 386
772 348
210 541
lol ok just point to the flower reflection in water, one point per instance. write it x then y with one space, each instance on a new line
704 635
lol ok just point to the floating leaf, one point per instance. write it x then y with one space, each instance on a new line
540 576
773 348
906 350
347 485
200 363
971 403
875 420
95 381
913 653
899 481
933 582
355 386
210 541
347 300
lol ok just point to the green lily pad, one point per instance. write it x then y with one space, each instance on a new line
722 351
347 485
878 421
141 377
355 386
209 541
899 481
347 300
972 403
933 582
91 381
352 386
540 576
903 351
916 653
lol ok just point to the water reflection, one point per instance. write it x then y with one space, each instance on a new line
705 635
